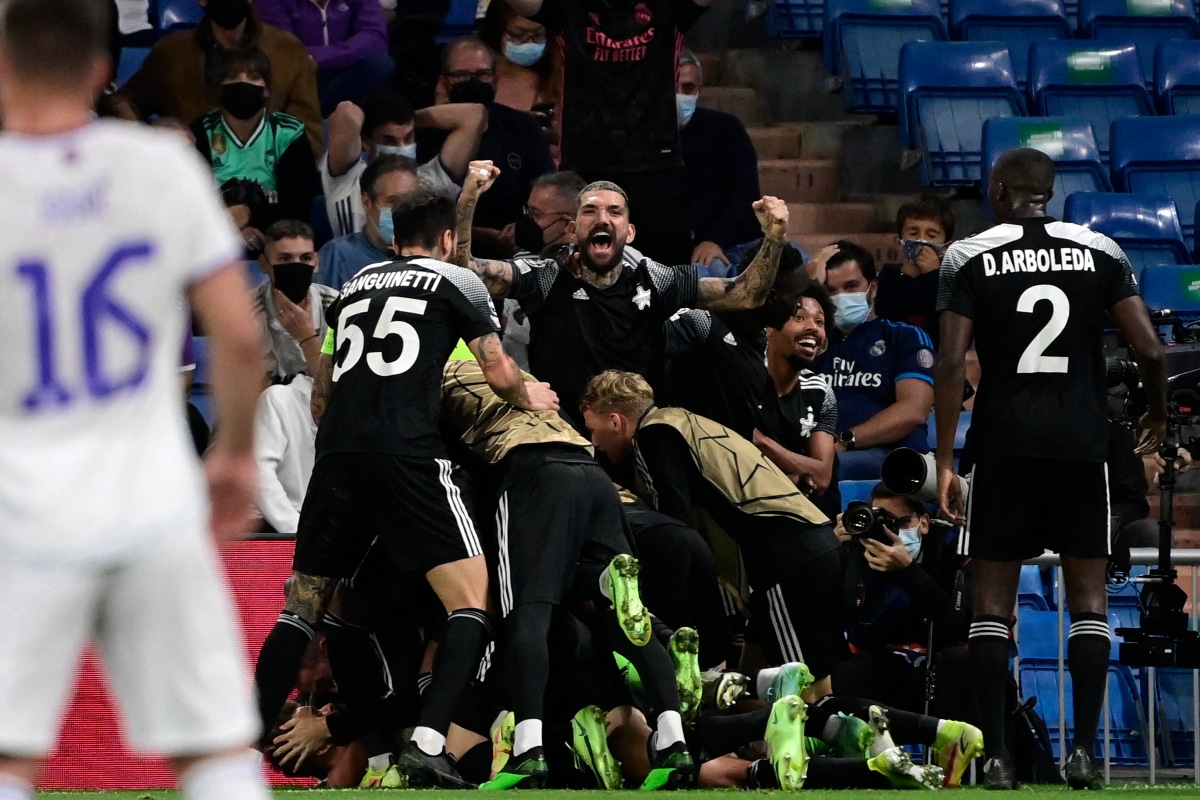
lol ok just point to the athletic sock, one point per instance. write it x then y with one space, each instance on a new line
379 763
762 682
987 647
1088 646
429 741
719 733
668 730
279 665
843 773
460 649
226 777
364 679
13 788
528 735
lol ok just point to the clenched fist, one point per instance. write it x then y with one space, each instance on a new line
772 215
480 177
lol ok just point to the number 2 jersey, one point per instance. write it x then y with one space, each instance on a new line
1037 291
106 226
391 331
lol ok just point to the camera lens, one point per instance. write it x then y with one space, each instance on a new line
858 520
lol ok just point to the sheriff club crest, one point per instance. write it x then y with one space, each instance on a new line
641 298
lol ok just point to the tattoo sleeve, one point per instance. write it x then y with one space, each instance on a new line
747 290
322 387
507 383
307 596
497 276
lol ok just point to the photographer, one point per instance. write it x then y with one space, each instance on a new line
900 580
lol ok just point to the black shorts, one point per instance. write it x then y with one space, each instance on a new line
411 505
556 506
1018 508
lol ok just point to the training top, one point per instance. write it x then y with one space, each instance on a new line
1037 291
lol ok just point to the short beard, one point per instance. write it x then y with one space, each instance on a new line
601 269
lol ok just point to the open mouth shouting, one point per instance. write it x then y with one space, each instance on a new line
807 345
601 243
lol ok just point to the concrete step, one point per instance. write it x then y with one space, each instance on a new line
775 142
740 101
807 219
713 65
822 139
790 83
799 180
881 245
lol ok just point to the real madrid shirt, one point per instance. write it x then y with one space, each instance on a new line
254 159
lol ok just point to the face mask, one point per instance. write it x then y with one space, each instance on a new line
911 539
685 106
228 14
293 279
387 228
851 310
406 150
912 248
524 55
529 235
473 91
243 100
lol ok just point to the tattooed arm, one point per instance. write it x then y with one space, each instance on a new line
502 374
322 386
750 289
497 276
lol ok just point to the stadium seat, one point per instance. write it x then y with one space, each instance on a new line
796 19
863 39
131 61
1037 634
1159 155
960 433
200 378
855 490
1177 724
1070 141
319 220
254 274
1099 83
1177 77
1173 286
947 90
460 21
174 15
1143 22
1146 226
1017 23
1031 596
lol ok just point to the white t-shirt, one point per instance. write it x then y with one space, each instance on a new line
285 446
106 227
343 195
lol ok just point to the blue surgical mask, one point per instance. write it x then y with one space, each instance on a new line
387 230
913 247
526 54
685 106
911 539
407 150
851 309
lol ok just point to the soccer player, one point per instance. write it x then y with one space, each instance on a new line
105 529
381 469
1033 293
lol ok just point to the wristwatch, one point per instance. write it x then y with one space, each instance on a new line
846 437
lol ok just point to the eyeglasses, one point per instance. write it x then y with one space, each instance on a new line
525 37
461 75
536 214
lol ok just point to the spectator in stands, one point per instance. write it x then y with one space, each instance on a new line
720 170
386 125
179 77
528 72
384 181
291 307
285 436
245 143
881 371
512 139
619 121
908 291
347 39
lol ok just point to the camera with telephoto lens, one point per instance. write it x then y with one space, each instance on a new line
864 520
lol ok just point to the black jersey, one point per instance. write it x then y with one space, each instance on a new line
393 326
1037 291
619 68
577 331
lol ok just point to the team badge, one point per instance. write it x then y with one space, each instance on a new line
641 298
879 348
219 144
925 358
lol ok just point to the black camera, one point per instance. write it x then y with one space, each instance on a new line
863 519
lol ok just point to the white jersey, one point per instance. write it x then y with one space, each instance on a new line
343 195
105 228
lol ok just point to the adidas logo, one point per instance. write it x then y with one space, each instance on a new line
729 340
580 294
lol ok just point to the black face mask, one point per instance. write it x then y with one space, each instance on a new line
243 100
473 91
293 279
529 235
228 14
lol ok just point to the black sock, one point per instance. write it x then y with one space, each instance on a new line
362 677
278 666
988 653
906 727
1087 657
721 734
476 764
843 773
527 659
459 652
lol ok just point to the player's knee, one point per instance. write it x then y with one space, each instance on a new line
308 596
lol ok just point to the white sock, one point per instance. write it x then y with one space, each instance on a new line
528 736
13 788
941 724
832 726
429 741
226 777
670 730
605 586
765 678
379 763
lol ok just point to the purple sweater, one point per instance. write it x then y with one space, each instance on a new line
338 35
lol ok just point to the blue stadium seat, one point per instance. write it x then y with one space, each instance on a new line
319 220
460 21
1143 22
1146 226
1177 77
1082 79
796 19
960 433
1031 596
174 15
863 39
947 90
1159 155
200 378
1175 693
1037 635
1017 23
1173 286
1070 141
131 61
254 274
855 490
